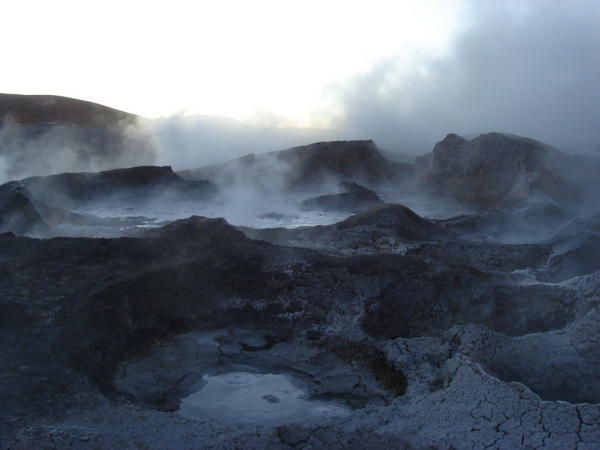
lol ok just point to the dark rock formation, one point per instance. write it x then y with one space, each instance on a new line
572 257
17 213
498 169
352 198
383 229
316 164
37 205
534 222
137 184
399 219
352 187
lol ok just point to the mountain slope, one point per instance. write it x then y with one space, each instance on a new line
53 109
45 134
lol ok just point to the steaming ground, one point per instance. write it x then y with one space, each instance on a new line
317 297
254 212
269 218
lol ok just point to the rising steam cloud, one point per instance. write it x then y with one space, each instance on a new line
196 141
529 67
30 150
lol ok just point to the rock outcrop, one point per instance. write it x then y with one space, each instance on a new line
136 184
317 164
496 170
396 218
352 198
386 228
17 213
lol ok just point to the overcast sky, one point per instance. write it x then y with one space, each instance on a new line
402 72
244 59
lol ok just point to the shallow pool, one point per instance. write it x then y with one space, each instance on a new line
269 398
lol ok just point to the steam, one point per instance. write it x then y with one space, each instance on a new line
189 142
529 68
28 150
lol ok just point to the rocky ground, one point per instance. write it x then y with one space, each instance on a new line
446 344
397 330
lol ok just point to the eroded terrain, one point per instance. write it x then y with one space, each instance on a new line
382 328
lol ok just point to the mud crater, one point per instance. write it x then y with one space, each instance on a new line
248 375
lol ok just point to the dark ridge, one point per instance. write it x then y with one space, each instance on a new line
53 109
352 198
311 164
87 186
394 217
199 229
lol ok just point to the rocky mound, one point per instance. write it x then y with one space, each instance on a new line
352 198
197 229
352 187
131 184
384 229
315 164
578 226
397 218
17 213
21 214
496 169
533 222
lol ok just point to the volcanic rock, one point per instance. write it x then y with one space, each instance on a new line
132 184
417 332
532 222
101 336
498 169
353 198
316 164
17 213
383 229
396 218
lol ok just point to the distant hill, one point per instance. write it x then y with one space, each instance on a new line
46 134
53 109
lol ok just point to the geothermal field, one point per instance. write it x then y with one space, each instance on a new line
320 296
